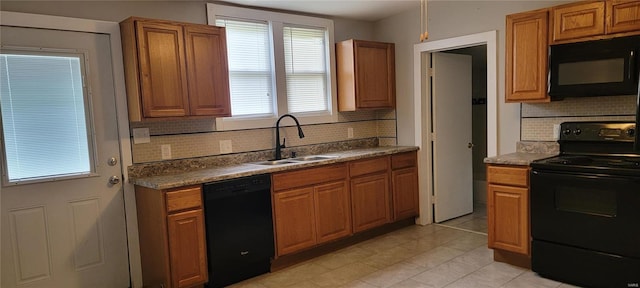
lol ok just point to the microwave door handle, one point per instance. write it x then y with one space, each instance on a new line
632 64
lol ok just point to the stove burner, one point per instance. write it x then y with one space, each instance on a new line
625 163
571 160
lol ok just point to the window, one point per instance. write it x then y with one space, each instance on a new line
44 116
278 63
304 55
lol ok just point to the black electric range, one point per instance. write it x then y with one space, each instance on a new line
585 207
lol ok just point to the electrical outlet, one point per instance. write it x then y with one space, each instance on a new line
556 131
141 135
225 146
350 132
166 151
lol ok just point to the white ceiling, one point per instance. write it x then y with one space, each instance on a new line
366 10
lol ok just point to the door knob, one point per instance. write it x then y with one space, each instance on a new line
112 161
113 180
470 145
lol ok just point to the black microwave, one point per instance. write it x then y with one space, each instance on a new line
594 68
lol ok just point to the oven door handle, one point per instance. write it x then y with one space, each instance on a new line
582 175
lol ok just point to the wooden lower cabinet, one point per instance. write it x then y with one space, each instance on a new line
508 213
313 214
172 238
370 201
294 220
404 185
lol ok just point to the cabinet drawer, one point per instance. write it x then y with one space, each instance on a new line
368 166
403 160
184 198
508 175
308 177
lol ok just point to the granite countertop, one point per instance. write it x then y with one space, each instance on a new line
526 152
247 169
517 158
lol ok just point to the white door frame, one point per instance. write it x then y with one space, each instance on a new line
113 30
422 107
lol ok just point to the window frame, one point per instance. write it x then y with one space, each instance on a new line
83 57
277 21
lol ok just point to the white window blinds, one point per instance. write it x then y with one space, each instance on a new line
250 69
44 119
306 69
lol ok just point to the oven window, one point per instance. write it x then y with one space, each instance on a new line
591 72
586 201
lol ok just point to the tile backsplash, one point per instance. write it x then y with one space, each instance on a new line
538 119
191 138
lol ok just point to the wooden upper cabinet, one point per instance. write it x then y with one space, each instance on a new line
163 75
366 75
526 57
208 71
577 20
623 16
174 69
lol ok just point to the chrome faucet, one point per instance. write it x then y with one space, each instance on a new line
284 141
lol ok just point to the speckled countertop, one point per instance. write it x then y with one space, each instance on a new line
526 152
247 169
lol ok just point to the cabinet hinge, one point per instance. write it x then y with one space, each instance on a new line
429 72
433 199
433 136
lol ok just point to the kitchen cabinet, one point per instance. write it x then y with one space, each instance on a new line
526 57
404 179
370 193
174 69
366 75
311 207
172 237
508 211
623 16
577 20
592 20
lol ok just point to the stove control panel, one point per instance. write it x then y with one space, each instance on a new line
598 131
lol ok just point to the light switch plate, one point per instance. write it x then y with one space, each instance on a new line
141 135
350 132
166 151
225 146
556 131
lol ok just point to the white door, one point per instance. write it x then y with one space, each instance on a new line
63 221
452 154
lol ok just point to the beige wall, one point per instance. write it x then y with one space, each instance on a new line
449 19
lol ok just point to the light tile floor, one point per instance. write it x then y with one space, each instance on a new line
476 221
416 256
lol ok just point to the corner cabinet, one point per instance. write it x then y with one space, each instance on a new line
526 57
623 16
311 206
508 213
172 237
366 75
174 69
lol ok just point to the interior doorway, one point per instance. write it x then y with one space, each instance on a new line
485 140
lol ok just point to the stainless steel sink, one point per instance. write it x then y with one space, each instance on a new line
315 158
275 162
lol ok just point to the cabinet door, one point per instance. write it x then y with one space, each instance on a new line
333 211
187 248
375 74
370 201
405 193
508 217
208 71
294 220
623 16
162 69
526 57
579 20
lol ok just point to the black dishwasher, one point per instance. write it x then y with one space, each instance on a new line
239 229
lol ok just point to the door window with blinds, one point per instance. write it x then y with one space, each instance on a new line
278 64
45 117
